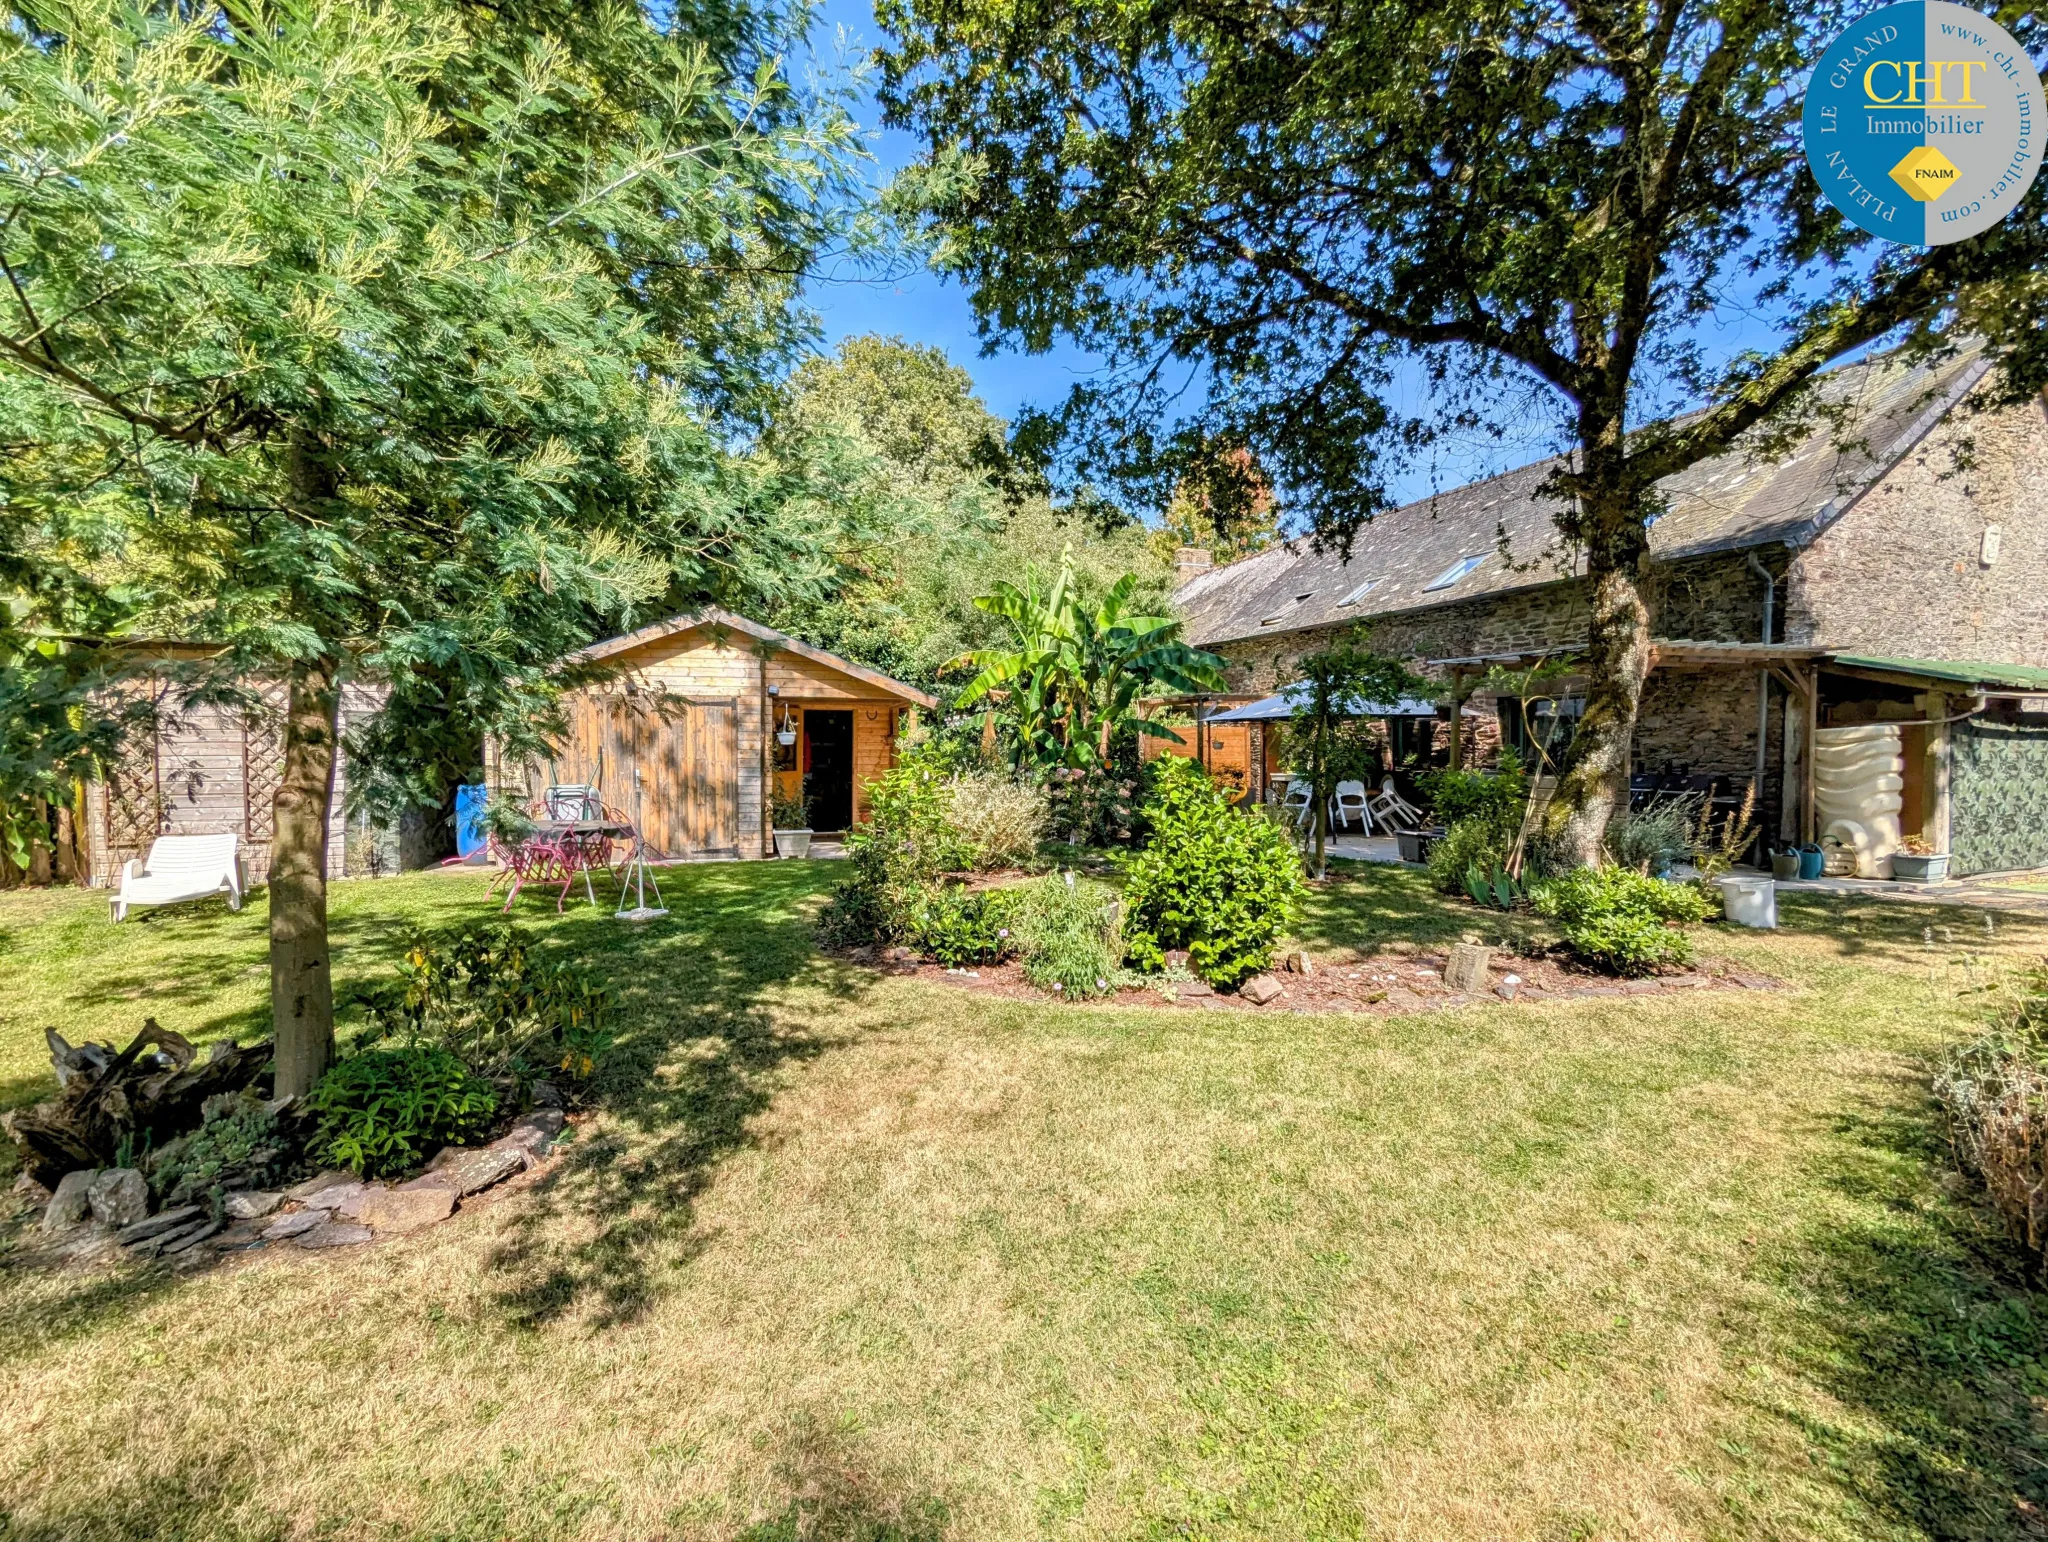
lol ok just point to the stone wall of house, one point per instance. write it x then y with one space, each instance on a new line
1903 572
1718 598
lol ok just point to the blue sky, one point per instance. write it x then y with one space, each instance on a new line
920 307
917 305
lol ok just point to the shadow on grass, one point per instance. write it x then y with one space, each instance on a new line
699 1055
1918 1317
1363 905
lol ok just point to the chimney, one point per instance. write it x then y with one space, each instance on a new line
1190 561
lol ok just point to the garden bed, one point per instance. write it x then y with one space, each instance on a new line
1384 982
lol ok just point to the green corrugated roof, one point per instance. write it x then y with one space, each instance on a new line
2015 677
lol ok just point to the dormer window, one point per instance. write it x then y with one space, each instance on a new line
1361 591
1453 573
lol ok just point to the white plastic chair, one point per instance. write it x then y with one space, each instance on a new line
1300 797
181 867
1348 801
1393 810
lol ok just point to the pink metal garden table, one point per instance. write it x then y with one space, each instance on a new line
558 851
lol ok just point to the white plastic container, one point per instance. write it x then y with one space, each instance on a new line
1750 899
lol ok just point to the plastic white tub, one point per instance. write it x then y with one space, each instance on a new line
1750 899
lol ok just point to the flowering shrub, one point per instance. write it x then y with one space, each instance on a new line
999 818
1220 884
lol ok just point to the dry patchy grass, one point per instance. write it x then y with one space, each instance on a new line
853 1257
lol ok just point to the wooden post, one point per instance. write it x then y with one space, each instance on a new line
1935 798
1457 747
1806 831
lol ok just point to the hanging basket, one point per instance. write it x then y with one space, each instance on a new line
785 737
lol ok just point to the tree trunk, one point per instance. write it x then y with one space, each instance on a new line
1595 783
301 985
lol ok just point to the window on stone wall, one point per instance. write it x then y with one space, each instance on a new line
1549 725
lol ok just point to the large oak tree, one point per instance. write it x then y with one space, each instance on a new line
1267 215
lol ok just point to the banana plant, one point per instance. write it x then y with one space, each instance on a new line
1076 674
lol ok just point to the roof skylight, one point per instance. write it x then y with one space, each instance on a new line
1453 573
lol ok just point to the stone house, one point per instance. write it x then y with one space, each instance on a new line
1890 566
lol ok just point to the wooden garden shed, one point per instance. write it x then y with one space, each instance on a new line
699 706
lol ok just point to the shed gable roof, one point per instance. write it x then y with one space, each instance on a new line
715 616
1411 556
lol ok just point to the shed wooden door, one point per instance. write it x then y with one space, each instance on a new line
688 759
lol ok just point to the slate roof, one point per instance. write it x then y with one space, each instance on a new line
1734 501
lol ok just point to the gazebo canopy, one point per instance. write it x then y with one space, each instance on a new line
1294 699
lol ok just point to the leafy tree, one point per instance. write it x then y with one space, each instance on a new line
1533 207
1333 684
1075 673
935 511
1222 504
401 338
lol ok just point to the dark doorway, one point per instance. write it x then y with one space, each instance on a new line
828 763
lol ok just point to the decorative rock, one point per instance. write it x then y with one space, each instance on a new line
464 1171
29 1191
1176 958
192 1236
546 1095
404 1209
345 1200
158 1224
250 1205
119 1197
71 1203
1641 988
1466 970
294 1225
531 1134
1260 989
334 1196
319 1181
1299 962
333 1234
1191 990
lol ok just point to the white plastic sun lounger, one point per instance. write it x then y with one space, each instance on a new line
182 867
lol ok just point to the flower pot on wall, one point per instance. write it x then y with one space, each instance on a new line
792 843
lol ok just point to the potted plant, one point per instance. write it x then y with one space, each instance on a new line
1917 861
789 815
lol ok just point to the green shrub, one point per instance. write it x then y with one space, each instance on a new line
895 859
384 1109
1000 819
503 1009
238 1147
1498 797
1479 842
1220 884
1619 920
961 926
1068 932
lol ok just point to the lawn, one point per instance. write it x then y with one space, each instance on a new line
848 1256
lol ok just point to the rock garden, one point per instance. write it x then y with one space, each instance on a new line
455 1082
